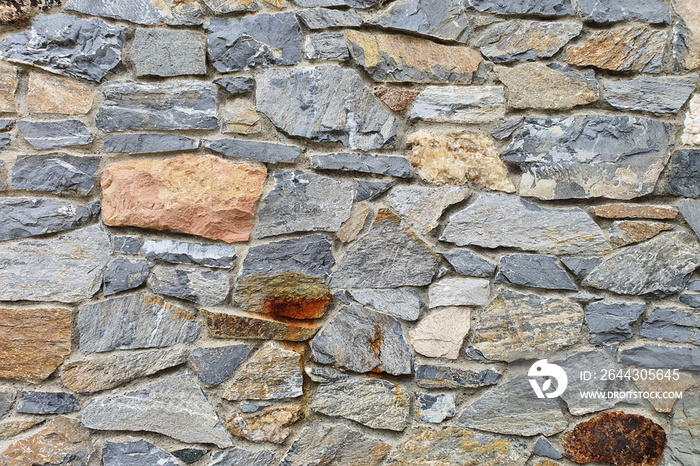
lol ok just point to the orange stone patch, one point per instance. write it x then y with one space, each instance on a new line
243 325
636 211
53 94
396 98
58 443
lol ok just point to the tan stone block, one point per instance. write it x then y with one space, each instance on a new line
240 117
352 228
441 334
270 425
243 325
630 232
657 212
54 94
664 405
10 429
60 442
8 87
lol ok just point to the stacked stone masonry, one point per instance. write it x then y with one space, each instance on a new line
346 232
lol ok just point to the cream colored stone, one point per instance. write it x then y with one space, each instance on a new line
689 11
270 425
441 334
47 93
240 117
691 132
8 87
352 228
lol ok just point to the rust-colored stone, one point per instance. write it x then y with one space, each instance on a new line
60 442
396 98
19 10
270 425
352 228
200 195
33 342
8 87
237 324
629 231
656 212
54 94
618 438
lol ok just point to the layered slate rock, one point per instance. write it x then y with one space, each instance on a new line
399 58
125 274
174 406
434 408
303 201
167 106
364 163
489 222
51 134
595 156
46 403
683 445
452 104
672 324
660 266
526 326
147 12
199 285
146 143
166 195
690 209
96 375
215 364
524 7
254 41
180 252
341 108
661 357
691 129
62 44
403 304
388 256
534 270
22 217
71 268
334 444
55 173
612 11
126 244
324 18
611 322
236 85
134 321
361 340
288 278
650 93
139 453
458 291
511 408
453 446
57 95
687 42
544 448
447 21
440 335
370 190
524 40
326 46
466 262
629 232
625 48
241 325
373 402
422 207
168 52
432 376
270 425
33 343
240 456
617 438
254 150
682 173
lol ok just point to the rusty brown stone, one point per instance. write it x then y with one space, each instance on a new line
690 14
618 438
10 429
396 98
656 212
33 342
237 324
270 425
352 228
8 87
19 10
201 195
629 231
60 442
54 94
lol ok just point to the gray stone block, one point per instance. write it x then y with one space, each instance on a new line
125 274
148 143
169 52
51 134
265 152
55 173
46 403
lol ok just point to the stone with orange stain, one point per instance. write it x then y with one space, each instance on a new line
33 342
656 212
271 425
352 228
629 232
397 98
60 442
21 10
201 195
243 325
54 94
688 41
616 437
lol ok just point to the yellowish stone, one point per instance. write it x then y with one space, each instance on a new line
352 228
54 94
8 87
441 334
240 117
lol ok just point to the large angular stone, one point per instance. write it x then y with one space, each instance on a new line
526 326
364 163
326 46
625 48
271 425
51 134
388 256
611 322
683 445
180 252
534 270
96 375
323 18
458 291
254 150
134 321
22 217
440 335
524 40
146 143
373 402
62 44
402 304
129 105
240 325
216 364
370 190
9 429
465 262
46 403
612 11
398 58
254 41
649 93
434 18
166 195
512 408
691 130
340 109
55 173
490 221
33 342
168 52
661 357
54 94
67 268
125 274
452 104
523 7
682 175
361 340
422 207
199 285
147 12
660 266
139 453
431 376
236 85
595 156
688 48
672 324
240 456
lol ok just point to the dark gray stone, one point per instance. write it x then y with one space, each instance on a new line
214 365
148 143
402 304
650 93
323 18
326 46
370 190
545 449
46 403
157 106
265 152
51 134
682 175
304 202
506 130
690 299
236 85
254 41
125 274
396 166
675 325
127 244
661 357
693 285
199 285
4 141
690 210
180 252
612 11
147 12
534 270
139 453
63 44
581 266
612 322
433 376
55 173
7 399
239 456
23 217
434 18
434 408
327 104
523 7
465 262
524 40
169 52
189 455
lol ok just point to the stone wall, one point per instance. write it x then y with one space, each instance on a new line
339 232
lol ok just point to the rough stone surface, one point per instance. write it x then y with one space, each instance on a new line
165 195
616 157
341 108
489 221
629 232
421 207
8 89
322 18
55 173
396 98
147 12
683 446
240 117
54 94
22 10
612 11
62 44
442 20
179 252
139 453
213 365
362 341
525 40
134 321
676 387
364 163
9 429
125 274
7 399
650 93
146 143
326 46
466 262
22 217
400 303
682 174
241 325
434 408
440 334
691 130
534 270
355 224
687 40
657 212
236 85
690 209
174 406
168 52
523 7
432 376
399 58
373 402
241 456
470 105
199 285
662 357
271 425
458 291
254 150
546 449
51 134
126 244
611 322
526 326
46 403
370 190
672 324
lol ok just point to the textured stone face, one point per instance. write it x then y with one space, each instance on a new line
611 11
8 88
179 252
523 7
682 175
241 456
326 46
690 38
236 85
54 94
663 357
240 117
322 18
148 143
458 291
199 285
125 274
534 270
525 40
22 217
683 445
612 322
630 232
223 7
365 163
402 304
657 212
370 190
431 376
442 20
147 12
55 173
670 324
241 325
465 262
397 58
21 10
254 150
46 403
352 228
396 98
168 52
51 134
9 429
650 94
422 208
691 131
139 453
434 408
340 108
165 195
440 335
214 365
452 104
271 425
327 3
33 342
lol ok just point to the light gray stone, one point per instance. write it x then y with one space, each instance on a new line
199 285
500 220
139 453
46 403
672 324
146 143
422 207
612 11
470 105
544 448
523 7
236 85
180 252
466 262
125 274
51 134
434 408
683 447
326 46
216 364
323 18
224 7
239 456
458 291
434 18
147 12
174 406
650 93
690 210
4 141
340 108
55 173
402 304
433 376
611 322
661 357
22 217
534 270
370 190
376 164
254 150
168 52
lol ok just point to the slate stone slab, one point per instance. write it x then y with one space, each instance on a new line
55 173
236 85
376 164
466 262
324 18
24 217
255 41
434 408
436 376
452 104
434 18
238 456
340 108
370 190
523 7
690 209
611 322
51 134
139 453
326 46
126 244
650 93
216 364
682 175
125 274
62 44
545 449
265 152
672 324
147 12
4 141
7 398
612 11
401 303
683 445
148 143
180 252
661 357
534 270
168 52
581 266
46 403
201 286
157 106
524 40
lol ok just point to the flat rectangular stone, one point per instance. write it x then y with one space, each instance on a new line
326 46
24 217
52 94
649 93
396 166
147 143
179 252
51 134
55 173
661 357
436 376
169 52
148 12
325 18
458 291
265 152
471 105
242 325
